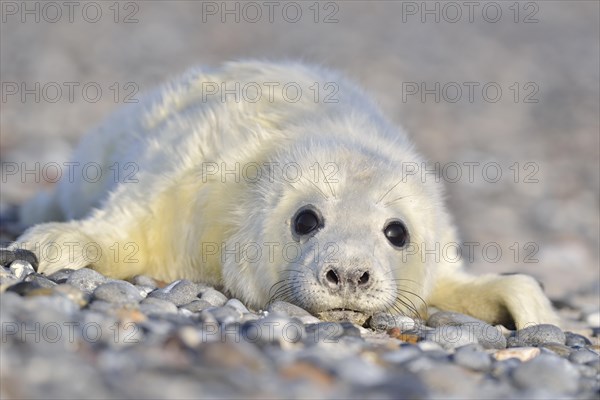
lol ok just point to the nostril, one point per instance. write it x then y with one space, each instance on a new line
364 279
332 277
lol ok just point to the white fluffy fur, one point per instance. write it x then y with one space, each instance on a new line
174 219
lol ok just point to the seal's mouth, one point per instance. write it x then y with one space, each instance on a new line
342 314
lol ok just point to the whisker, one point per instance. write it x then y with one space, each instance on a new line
326 180
388 192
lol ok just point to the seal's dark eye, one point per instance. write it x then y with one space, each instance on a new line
396 233
306 221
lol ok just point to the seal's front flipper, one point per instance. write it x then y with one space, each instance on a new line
55 246
513 300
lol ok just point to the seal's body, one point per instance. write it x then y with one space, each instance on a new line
277 181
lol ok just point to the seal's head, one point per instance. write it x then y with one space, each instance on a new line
337 226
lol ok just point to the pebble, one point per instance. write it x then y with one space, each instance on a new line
428 345
61 275
86 280
537 335
520 353
309 319
144 280
472 330
274 329
361 371
451 337
350 329
288 309
404 354
592 319
214 297
237 305
550 373
576 340
325 332
24 288
180 292
557 348
504 368
224 315
118 292
385 321
197 305
473 357
595 365
583 356
21 269
7 257
154 306
145 290
40 280
75 295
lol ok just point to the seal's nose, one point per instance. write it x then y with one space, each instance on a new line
339 278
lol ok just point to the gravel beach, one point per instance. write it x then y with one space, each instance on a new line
79 334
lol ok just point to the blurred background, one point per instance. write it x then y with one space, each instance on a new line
508 87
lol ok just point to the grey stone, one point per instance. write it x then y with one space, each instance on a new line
309 319
449 377
404 354
144 280
118 292
583 356
444 318
197 305
595 365
224 315
249 317
214 297
576 340
557 348
24 288
439 356
327 332
274 329
478 331
589 385
536 335
179 292
350 329
155 306
451 337
429 345
61 275
40 280
75 295
20 269
420 364
473 357
7 280
357 370
145 290
7 257
86 280
102 306
504 368
593 319
288 309
384 321
238 305
547 372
